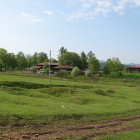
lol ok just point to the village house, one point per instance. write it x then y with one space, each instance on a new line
133 69
58 68
55 67
52 65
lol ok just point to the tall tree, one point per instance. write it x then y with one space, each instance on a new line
93 64
70 58
53 60
11 61
62 50
114 65
21 61
42 57
90 54
3 58
34 59
29 61
83 61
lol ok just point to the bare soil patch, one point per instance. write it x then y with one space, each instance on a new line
69 132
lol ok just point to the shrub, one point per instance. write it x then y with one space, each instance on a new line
106 70
62 73
75 71
34 68
88 73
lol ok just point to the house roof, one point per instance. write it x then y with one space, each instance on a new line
39 66
134 67
47 63
63 67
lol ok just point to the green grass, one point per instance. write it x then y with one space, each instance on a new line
132 135
35 100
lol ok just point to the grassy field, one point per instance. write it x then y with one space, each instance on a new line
35 100
133 135
25 99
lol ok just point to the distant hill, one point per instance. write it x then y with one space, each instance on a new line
132 64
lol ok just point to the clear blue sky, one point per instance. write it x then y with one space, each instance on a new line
110 28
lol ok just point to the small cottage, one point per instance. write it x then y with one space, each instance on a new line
133 69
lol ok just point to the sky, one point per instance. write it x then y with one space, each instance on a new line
109 28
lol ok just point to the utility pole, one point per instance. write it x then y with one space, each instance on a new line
50 67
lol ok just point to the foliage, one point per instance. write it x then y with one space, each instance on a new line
62 73
88 73
75 71
45 68
93 65
21 61
83 61
34 59
106 70
62 50
10 61
113 65
52 60
90 54
29 61
34 68
3 58
70 58
42 57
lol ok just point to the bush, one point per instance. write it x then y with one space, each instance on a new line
34 68
106 70
88 73
62 73
75 71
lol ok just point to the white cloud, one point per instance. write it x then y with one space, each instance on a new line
48 12
92 8
123 3
78 16
30 17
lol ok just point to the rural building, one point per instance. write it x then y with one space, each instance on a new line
133 69
58 68
52 65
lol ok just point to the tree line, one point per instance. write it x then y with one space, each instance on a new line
20 61
88 62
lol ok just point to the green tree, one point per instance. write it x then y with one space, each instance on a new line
11 61
3 58
106 70
62 50
34 69
42 57
53 60
114 65
83 61
34 59
75 71
90 54
21 61
29 61
93 65
70 58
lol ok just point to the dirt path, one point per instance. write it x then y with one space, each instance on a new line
82 132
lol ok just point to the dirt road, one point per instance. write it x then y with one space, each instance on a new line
80 132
